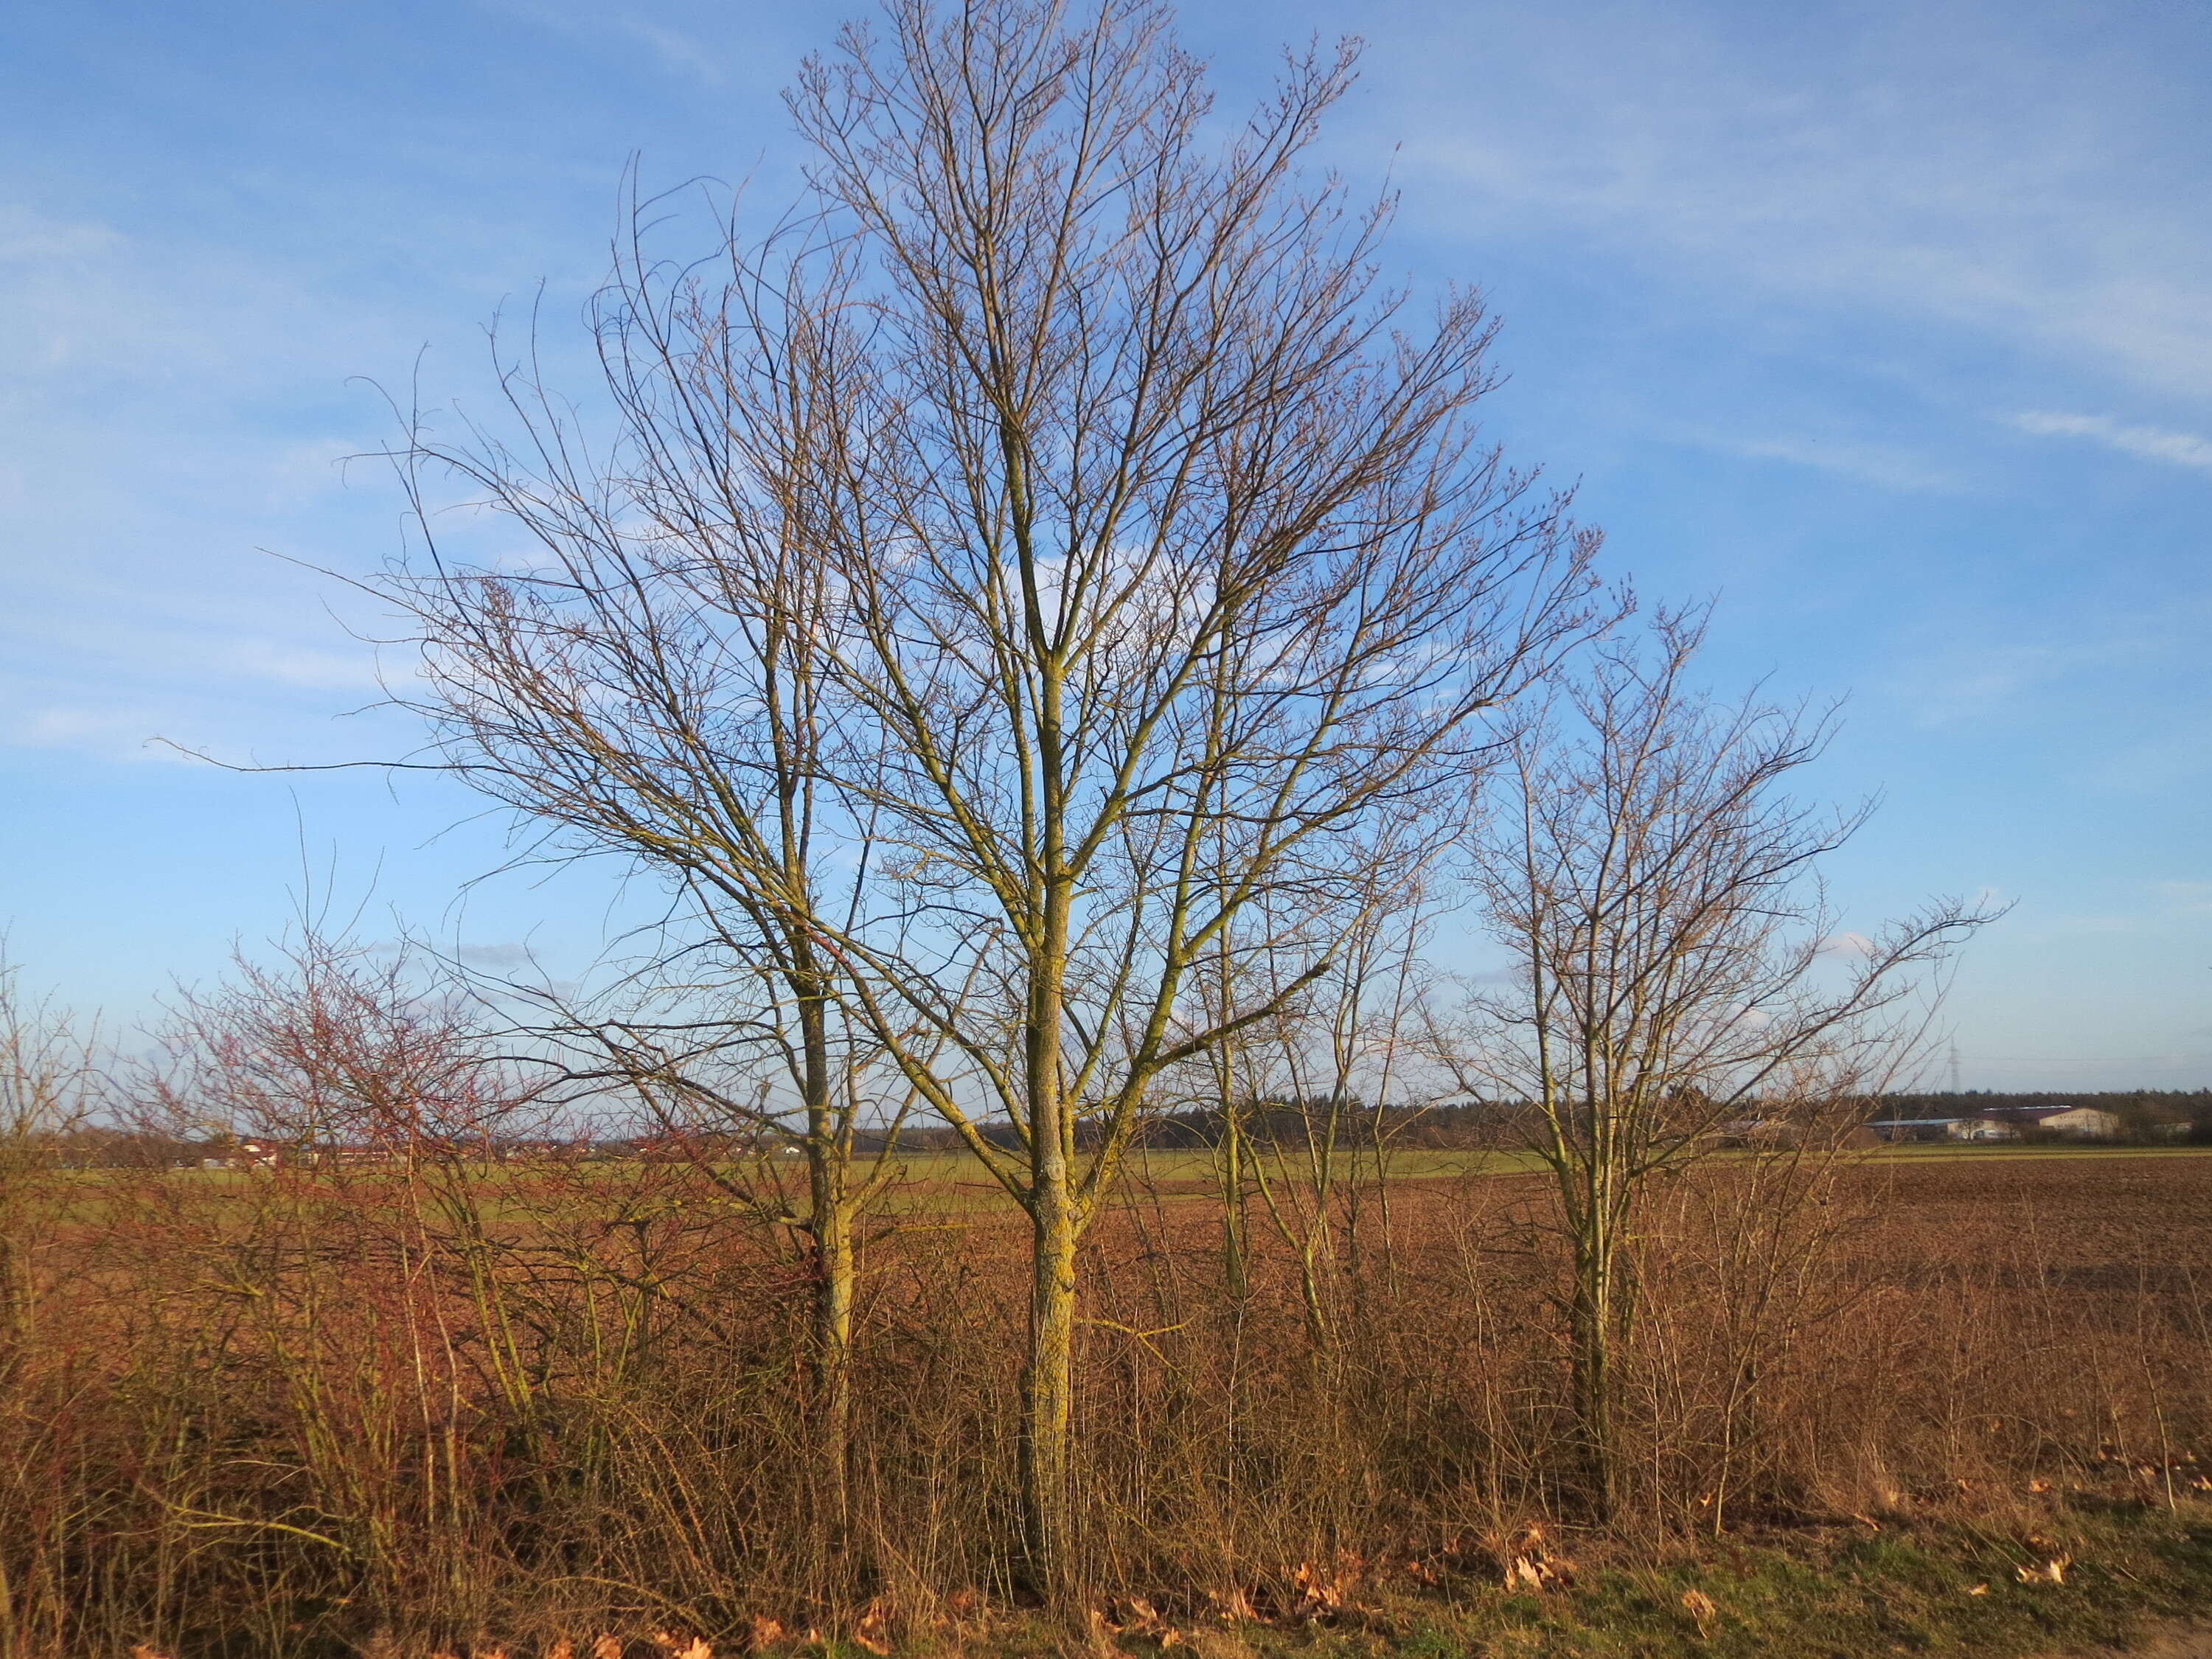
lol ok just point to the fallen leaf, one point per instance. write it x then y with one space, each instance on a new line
873 1632
1534 1575
1138 1617
1701 1608
1235 1607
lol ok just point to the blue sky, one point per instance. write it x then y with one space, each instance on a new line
1890 324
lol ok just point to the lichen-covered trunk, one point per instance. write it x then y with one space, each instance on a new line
1236 1271
1048 1402
1593 1323
1048 1381
831 1239
832 1352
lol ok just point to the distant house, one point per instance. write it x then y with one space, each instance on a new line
241 1155
350 1155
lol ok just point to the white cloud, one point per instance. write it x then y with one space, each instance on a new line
1943 671
2148 443
115 734
26 237
309 666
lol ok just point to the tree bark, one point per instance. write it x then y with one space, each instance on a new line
1047 1399
829 1229
1591 1323
832 1344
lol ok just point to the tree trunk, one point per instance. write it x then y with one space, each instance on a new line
830 1230
1048 1399
832 1355
1593 1322
1235 1270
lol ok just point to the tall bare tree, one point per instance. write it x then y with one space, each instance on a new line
1169 549
1673 965
1054 528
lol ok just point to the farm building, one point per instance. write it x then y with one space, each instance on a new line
2079 1123
2006 1123
241 1155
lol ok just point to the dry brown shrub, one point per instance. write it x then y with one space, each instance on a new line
283 1408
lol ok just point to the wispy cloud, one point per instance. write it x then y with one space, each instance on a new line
2148 443
1938 163
1891 466
111 733
2188 898
675 50
26 237
504 958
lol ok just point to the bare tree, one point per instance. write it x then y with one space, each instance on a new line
1053 529
648 682
332 1047
1673 965
1170 556
1304 1103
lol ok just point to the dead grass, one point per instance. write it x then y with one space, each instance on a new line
307 1413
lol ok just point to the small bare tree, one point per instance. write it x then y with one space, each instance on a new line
1673 966
332 1046
1303 1103
648 681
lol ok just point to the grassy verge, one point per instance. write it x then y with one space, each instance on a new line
1974 1591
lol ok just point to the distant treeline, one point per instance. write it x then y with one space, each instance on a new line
1467 1124
1476 1124
1349 1123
